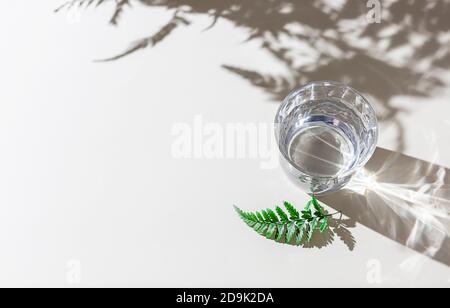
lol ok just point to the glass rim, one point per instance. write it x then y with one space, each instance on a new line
358 164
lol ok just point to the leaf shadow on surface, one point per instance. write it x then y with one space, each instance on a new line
337 228
404 54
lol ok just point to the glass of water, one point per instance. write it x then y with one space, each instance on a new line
325 131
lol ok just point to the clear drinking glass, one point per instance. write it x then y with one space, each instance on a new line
325 131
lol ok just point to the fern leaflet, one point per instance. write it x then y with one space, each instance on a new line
296 228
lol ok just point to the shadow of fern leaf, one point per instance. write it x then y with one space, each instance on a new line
320 240
341 228
346 236
277 86
86 3
153 40
314 41
120 5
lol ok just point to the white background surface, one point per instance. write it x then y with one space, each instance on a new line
87 176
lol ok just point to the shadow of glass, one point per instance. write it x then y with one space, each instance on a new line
403 198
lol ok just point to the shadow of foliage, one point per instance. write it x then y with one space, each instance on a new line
404 54
336 228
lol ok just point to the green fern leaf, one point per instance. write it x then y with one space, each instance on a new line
262 230
312 227
281 228
323 224
282 214
301 229
271 231
307 214
252 216
266 216
293 213
240 212
308 206
276 225
273 216
245 215
291 232
256 226
259 216
317 206
250 223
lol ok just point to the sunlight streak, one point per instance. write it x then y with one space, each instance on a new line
421 202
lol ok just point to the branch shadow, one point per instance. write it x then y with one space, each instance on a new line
404 54
403 198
